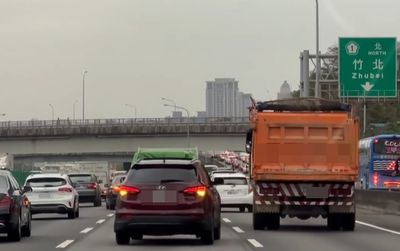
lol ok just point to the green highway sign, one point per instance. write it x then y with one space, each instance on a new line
367 67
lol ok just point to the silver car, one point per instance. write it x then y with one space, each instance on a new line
52 193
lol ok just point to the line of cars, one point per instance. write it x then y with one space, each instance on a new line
43 193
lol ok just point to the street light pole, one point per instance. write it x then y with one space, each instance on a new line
170 100
134 109
73 109
83 95
52 112
318 66
187 122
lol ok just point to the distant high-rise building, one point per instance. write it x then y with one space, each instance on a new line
284 91
223 98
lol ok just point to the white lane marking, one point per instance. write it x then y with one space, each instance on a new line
86 230
238 229
255 243
110 215
377 227
226 220
100 221
65 244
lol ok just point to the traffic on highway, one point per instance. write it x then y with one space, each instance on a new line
179 125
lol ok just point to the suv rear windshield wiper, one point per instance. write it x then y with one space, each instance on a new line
171 181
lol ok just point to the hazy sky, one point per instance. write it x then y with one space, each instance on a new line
137 51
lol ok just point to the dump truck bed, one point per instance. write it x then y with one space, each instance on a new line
304 146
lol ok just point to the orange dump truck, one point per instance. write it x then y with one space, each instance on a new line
304 161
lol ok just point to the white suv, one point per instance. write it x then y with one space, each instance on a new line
52 193
235 190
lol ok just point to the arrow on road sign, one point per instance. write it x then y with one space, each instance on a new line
367 86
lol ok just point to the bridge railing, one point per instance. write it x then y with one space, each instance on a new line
67 123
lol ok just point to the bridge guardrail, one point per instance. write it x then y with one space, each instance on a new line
119 122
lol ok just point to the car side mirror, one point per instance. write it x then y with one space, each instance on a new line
27 189
218 181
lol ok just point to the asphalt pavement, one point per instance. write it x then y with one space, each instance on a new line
94 231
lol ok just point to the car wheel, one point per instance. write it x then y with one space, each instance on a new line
27 229
334 221
137 237
258 221
15 233
77 212
97 203
112 206
122 238
217 232
71 214
207 236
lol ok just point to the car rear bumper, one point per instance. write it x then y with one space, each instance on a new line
237 200
51 208
162 224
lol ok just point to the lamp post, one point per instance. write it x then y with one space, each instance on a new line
170 100
73 109
317 70
134 109
52 112
83 95
187 122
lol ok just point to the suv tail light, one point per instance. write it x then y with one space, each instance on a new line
92 186
5 202
65 189
115 189
125 190
197 190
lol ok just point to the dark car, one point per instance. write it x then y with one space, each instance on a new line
87 186
112 191
167 197
15 214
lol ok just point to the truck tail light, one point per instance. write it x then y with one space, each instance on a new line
65 189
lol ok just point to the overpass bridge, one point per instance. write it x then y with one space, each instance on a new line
117 138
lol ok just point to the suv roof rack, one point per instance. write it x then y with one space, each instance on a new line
165 153
303 104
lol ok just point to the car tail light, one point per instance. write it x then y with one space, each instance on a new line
26 202
92 186
340 191
5 202
115 189
375 179
197 190
125 190
65 189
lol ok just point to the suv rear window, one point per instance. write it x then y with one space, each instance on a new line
158 174
81 178
46 182
118 179
3 184
235 181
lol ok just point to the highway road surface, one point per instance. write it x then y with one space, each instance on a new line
94 231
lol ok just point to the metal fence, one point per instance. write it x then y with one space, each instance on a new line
67 123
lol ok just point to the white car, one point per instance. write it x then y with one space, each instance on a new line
235 190
52 193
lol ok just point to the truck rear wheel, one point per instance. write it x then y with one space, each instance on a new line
348 221
334 221
272 221
258 221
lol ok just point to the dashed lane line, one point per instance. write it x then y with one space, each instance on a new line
238 229
226 220
378 228
100 221
65 244
86 230
255 243
110 215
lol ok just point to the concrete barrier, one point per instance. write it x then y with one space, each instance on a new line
388 201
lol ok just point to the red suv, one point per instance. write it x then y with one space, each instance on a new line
167 197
